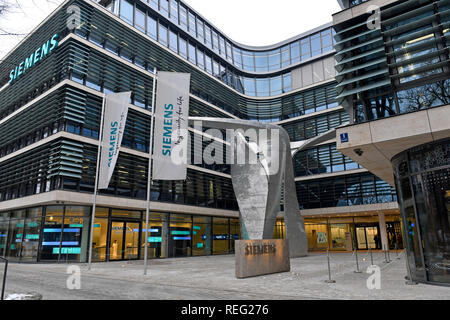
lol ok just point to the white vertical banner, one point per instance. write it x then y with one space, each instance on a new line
171 126
116 111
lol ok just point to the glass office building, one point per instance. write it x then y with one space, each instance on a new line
49 128
394 80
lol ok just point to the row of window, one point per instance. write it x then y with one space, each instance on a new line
257 87
61 233
323 159
417 60
46 171
312 127
260 61
350 190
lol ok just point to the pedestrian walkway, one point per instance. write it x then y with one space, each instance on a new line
213 277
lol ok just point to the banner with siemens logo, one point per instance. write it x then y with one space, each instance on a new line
171 126
115 118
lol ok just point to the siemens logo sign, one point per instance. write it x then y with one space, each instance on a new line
167 135
112 142
257 249
39 54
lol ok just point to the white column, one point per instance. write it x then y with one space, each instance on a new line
383 232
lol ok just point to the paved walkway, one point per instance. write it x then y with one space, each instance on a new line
204 278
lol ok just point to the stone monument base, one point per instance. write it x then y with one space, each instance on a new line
260 257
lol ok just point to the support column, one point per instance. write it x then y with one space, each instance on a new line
165 237
383 232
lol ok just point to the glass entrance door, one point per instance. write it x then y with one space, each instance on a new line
116 242
124 240
361 238
131 241
367 237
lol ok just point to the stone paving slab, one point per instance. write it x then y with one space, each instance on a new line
213 277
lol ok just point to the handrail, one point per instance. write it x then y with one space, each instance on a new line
4 278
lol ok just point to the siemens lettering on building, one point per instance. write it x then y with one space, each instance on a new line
38 55
338 74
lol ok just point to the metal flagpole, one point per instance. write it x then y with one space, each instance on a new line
100 135
149 177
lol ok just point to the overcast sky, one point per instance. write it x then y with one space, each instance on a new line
251 22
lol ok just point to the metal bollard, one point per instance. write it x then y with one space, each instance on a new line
329 270
385 255
389 255
357 264
5 270
371 256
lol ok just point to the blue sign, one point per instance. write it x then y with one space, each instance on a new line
154 239
344 137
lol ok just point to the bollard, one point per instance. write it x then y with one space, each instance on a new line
389 255
329 270
385 255
396 252
357 264
371 256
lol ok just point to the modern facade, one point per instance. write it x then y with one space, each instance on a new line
49 128
394 80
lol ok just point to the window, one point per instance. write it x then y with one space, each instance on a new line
237 57
183 18
216 69
315 45
173 41
215 42
208 36
306 49
162 34
152 28
295 52
183 48
200 59
327 42
192 55
287 82
275 86
274 60
248 61
208 63
285 57
200 31
249 87
222 47
192 25
262 87
153 4
164 7
229 53
174 11
126 11
140 20
260 61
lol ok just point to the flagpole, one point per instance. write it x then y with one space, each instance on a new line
149 176
100 135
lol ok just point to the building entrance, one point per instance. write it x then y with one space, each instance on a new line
368 236
124 240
